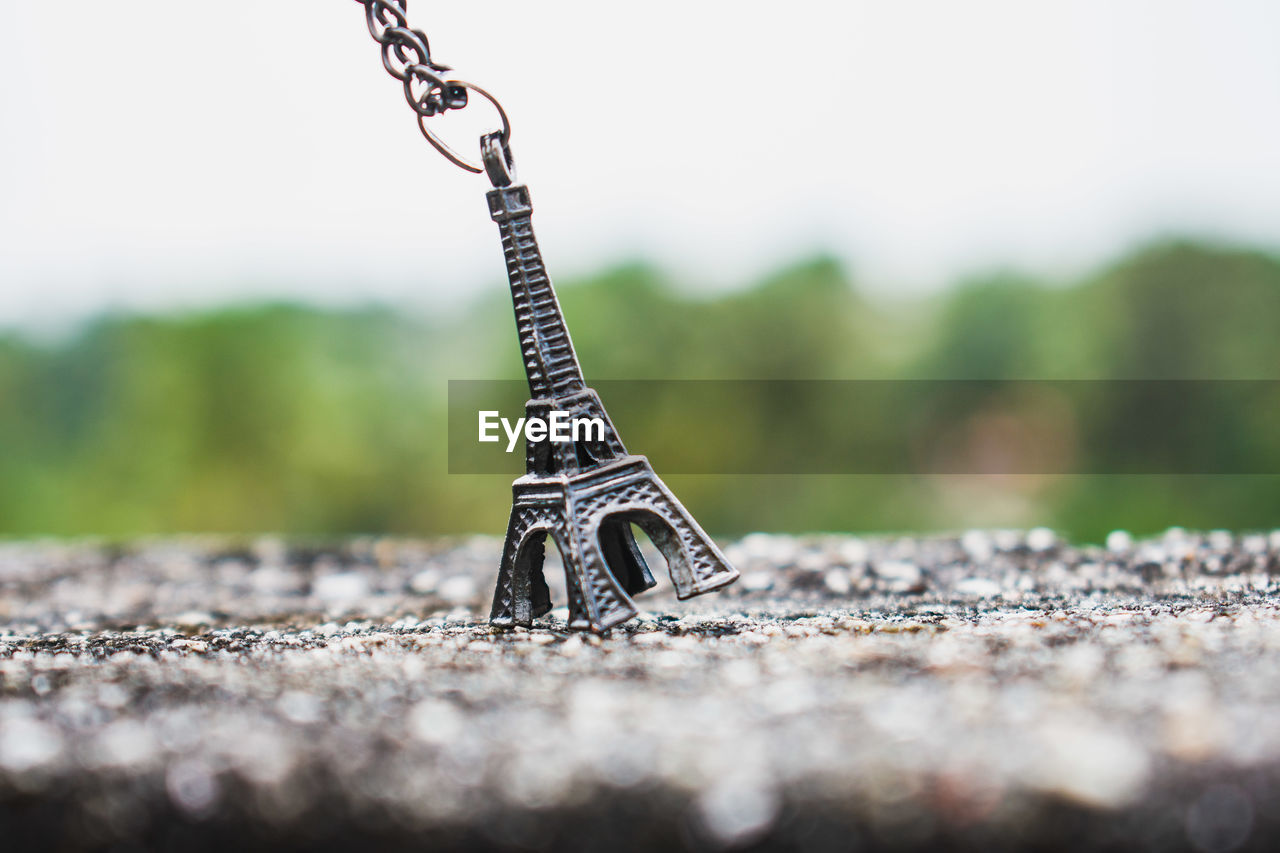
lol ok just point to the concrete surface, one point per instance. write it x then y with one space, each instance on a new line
997 690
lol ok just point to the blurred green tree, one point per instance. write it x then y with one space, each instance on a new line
322 422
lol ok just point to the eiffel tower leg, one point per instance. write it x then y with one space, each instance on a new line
597 600
521 594
693 560
629 491
503 612
579 620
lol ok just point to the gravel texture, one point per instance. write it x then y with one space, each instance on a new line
992 690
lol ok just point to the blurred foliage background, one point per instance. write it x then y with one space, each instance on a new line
310 421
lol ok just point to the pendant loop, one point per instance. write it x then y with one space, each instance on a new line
444 148
498 163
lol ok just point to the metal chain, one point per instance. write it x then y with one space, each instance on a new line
406 55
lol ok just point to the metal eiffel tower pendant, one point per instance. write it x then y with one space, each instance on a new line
585 495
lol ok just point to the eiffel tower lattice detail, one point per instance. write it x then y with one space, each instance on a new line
584 494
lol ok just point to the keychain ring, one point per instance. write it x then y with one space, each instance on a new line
444 148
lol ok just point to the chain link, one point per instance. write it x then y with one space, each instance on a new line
406 55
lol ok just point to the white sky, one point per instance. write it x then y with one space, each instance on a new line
157 153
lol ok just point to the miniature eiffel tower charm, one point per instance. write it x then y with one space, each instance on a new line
584 494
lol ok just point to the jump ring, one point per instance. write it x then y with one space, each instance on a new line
441 146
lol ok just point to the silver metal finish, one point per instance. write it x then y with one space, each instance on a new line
584 494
